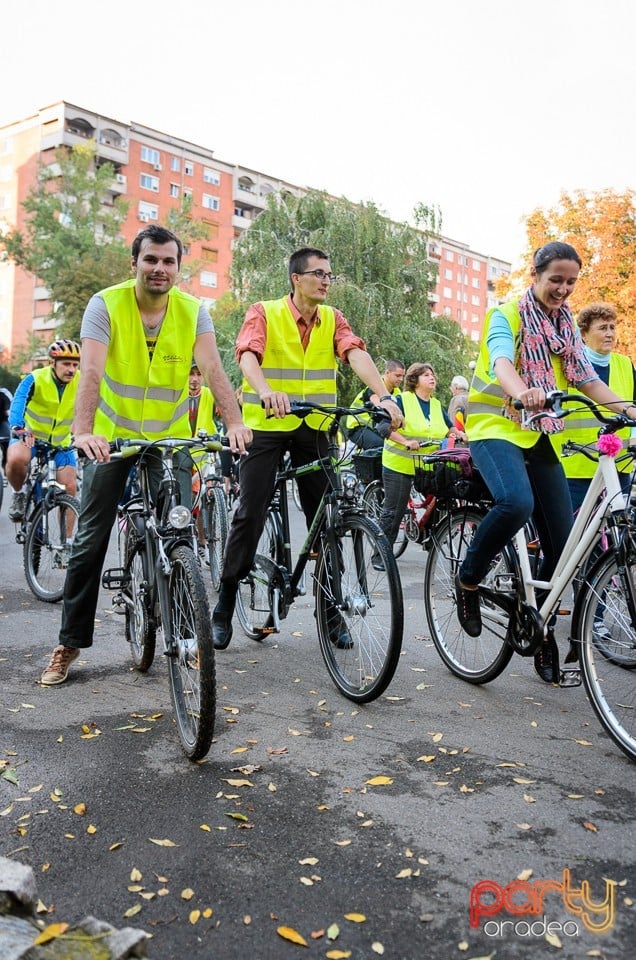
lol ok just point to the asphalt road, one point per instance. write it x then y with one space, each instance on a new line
281 827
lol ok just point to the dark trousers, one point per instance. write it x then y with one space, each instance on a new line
102 488
397 488
257 479
366 438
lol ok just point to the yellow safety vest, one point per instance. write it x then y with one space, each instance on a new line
486 396
582 427
416 427
48 415
204 421
363 419
139 397
301 374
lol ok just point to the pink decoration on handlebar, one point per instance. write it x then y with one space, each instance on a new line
609 444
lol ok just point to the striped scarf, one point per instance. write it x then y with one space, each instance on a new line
540 337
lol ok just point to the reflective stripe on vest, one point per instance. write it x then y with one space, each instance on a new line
48 415
486 420
301 374
583 427
137 397
416 427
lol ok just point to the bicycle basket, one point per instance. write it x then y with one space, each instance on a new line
368 465
438 473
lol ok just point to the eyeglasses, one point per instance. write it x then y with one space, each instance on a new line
320 275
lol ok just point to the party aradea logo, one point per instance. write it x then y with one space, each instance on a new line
519 898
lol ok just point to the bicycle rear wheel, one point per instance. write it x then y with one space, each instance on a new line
252 598
475 659
140 629
607 649
372 502
191 666
371 618
216 528
48 544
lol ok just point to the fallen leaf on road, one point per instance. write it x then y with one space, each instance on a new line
52 932
288 933
379 781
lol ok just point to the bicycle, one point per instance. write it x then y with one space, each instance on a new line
214 511
48 526
420 513
511 620
351 598
160 586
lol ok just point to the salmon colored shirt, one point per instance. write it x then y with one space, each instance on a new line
252 336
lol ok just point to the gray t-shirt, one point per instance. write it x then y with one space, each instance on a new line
96 321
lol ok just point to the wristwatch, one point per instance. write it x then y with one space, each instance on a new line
387 396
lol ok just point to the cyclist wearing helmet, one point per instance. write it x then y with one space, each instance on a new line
42 409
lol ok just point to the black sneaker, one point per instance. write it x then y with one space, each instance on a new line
16 507
468 612
546 660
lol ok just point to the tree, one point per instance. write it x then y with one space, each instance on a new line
384 276
602 228
70 238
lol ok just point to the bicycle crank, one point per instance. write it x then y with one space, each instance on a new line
525 631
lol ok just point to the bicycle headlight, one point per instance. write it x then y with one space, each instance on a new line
179 517
349 485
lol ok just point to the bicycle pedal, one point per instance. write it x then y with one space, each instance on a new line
115 579
570 677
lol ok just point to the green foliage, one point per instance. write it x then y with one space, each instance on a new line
384 276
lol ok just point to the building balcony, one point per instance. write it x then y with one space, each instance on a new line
241 223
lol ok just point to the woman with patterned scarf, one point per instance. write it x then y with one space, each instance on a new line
529 348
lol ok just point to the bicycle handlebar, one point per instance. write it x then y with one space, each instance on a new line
121 448
555 410
302 409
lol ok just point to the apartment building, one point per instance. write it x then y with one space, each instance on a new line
154 171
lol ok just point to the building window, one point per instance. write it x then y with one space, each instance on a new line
210 202
475 300
448 273
188 168
175 164
211 176
208 279
447 311
209 255
449 255
462 260
212 227
148 155
147 211
476 265
149 183
174 189
187 191
476 283
448 293
459 295
475 318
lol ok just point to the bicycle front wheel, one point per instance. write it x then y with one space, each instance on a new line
475 659
190 654
607 649
216 528
48 544
360 639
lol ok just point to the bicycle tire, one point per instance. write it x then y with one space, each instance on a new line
474 659
140 629
372 611
47 552
372 501
215 526
191 664
253 595
608 679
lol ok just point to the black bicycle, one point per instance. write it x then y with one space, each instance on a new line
359 609
48 526
160 585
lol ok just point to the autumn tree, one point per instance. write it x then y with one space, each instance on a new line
602 228
384 276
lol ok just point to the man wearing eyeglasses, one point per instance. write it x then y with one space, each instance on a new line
288 349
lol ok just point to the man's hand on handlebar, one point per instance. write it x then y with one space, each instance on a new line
275 403
239 436
397 417
23 435
93 446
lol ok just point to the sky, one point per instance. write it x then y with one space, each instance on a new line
484 109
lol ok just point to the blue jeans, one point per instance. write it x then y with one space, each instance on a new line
523 484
